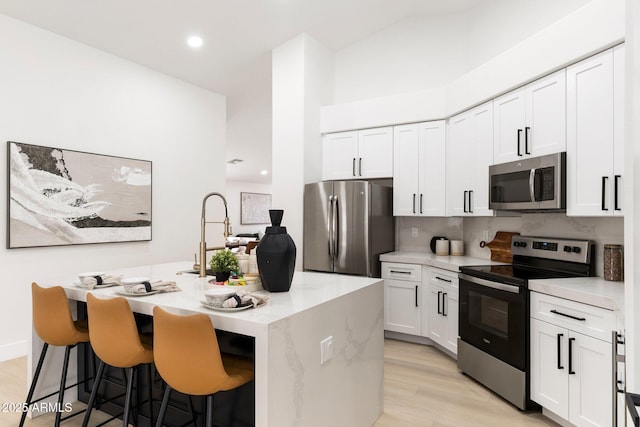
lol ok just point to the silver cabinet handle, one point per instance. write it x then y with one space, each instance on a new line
360 166
353 167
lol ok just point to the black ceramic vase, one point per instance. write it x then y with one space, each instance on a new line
276 255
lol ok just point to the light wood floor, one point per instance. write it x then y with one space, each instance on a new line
422 388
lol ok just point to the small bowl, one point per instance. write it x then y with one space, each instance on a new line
129 282
216 297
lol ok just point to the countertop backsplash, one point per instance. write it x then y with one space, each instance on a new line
471 229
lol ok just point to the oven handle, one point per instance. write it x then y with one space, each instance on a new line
514 289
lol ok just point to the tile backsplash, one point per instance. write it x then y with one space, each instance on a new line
414 234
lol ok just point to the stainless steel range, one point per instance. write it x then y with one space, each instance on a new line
493 346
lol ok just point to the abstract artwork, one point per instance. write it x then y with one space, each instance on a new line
254 208
63 197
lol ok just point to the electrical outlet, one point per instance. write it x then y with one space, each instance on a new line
414 231
326 350
485 235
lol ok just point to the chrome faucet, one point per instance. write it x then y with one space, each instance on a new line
203 245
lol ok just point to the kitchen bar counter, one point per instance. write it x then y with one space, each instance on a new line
588 290
292 387
452 263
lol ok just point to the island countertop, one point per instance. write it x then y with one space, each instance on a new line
292 386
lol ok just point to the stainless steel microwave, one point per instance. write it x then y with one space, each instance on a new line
529 185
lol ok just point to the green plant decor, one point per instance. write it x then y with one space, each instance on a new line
224 261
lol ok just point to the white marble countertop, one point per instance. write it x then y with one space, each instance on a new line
308 290
452 263
588 290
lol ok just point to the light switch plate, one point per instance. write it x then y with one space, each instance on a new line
326 350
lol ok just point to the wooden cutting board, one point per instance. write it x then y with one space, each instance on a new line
500 246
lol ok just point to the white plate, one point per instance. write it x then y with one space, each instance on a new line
104 285
136 294
134 280
213 307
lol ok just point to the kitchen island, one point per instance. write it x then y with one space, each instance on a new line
292 386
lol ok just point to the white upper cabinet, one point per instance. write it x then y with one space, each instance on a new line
595 114
419 169
358 154
530 121
469 154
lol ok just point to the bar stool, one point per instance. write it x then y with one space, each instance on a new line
188 358
54 325
116 341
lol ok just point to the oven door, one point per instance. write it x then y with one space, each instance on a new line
493 317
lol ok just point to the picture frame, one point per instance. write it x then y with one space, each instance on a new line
254 208
58 197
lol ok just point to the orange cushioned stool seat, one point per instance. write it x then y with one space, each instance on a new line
188 358
54 325
116 341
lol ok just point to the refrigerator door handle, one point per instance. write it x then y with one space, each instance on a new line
330 226
336 234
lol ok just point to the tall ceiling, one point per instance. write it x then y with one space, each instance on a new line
237 34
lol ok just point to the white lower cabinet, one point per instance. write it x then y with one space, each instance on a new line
402 291
571 363
440 307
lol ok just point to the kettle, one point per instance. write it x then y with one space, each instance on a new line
433 242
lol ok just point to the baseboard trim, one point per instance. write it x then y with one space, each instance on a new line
13 350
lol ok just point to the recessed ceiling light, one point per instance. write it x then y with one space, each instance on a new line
264 172
194 41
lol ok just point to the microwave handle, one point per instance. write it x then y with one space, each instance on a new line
532 184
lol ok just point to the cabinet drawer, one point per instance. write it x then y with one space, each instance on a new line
444 278
400 271
583 318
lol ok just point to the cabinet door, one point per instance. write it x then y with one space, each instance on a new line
480 158
509 123
545 127
431 200
340 155
618 129
590 399
401 306
451 319
437 323
375 153
549 378
590 136
457 164
406 169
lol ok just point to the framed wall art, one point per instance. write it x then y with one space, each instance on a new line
64 197
254 208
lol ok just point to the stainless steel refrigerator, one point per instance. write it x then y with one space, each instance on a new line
347 225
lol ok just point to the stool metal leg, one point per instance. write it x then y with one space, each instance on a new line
63 382
127 401
94 393
209 414
150 391
163 406
33 382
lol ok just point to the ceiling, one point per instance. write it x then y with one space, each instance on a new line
237 34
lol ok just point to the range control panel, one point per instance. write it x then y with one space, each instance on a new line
552 248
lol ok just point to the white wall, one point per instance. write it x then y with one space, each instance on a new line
301 76
60 93
393 94
234 188
427 52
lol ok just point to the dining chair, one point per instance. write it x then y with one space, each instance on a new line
55 326
116 341
188 359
